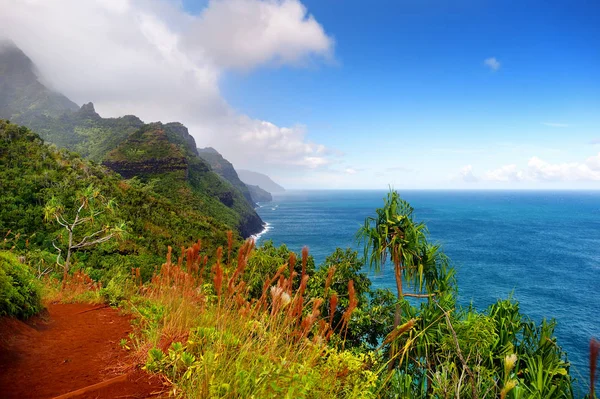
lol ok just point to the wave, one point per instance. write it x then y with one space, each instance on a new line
256 237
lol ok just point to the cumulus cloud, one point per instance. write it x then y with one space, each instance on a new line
492 63
246 33
153 59
593 162
505 173
567 171
466 174
539 170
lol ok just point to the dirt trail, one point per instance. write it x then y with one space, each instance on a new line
72 347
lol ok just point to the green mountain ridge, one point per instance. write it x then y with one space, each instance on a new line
225 169
258 194
33 172
24 98
163 153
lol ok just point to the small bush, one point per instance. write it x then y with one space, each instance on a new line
19 289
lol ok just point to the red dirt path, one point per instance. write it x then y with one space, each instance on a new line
72 347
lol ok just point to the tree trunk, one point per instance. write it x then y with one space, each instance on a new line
67 261
398 313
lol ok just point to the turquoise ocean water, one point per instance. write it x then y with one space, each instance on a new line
541 246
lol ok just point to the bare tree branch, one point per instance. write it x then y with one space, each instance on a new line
84 240
59 253
419 295
98 241
62 222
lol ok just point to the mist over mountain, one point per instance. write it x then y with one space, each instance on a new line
164 155
259 179
24 98
258 194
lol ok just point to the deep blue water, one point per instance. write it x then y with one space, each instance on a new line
541 246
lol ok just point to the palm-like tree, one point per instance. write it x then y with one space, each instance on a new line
393 233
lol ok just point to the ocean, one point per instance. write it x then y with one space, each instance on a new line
541 247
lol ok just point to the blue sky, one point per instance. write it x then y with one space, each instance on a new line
408 89
340 93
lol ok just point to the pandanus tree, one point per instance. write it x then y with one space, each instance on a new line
419 266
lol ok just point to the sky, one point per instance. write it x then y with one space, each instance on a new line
465 94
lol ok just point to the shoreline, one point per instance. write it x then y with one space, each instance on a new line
257 236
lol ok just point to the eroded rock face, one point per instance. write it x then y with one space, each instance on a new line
183 133
148 152
149 167
167 154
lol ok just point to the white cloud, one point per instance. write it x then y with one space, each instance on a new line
152 59
492 63
505 173
466 174
350 171
553 124
538 170
541 170
593 162
246 33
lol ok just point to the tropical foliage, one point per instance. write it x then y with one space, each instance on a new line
20 294
36 178
221 318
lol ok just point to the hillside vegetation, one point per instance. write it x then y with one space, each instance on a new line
114 140
146 224
224 319
33 173
225 169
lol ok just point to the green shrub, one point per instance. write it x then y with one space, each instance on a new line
19 289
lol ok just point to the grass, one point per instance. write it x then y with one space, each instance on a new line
198 328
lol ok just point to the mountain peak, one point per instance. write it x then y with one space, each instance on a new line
208 150
88 110
24 98
15 64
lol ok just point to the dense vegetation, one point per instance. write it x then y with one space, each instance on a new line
33 174
228 320
225 169
125 144
19 289
221 318
166 155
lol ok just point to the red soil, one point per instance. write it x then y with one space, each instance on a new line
70 348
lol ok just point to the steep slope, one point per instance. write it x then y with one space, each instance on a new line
225 169
86 132
126 144
258 194
31 173
27 101
22 97
259 179
166 156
